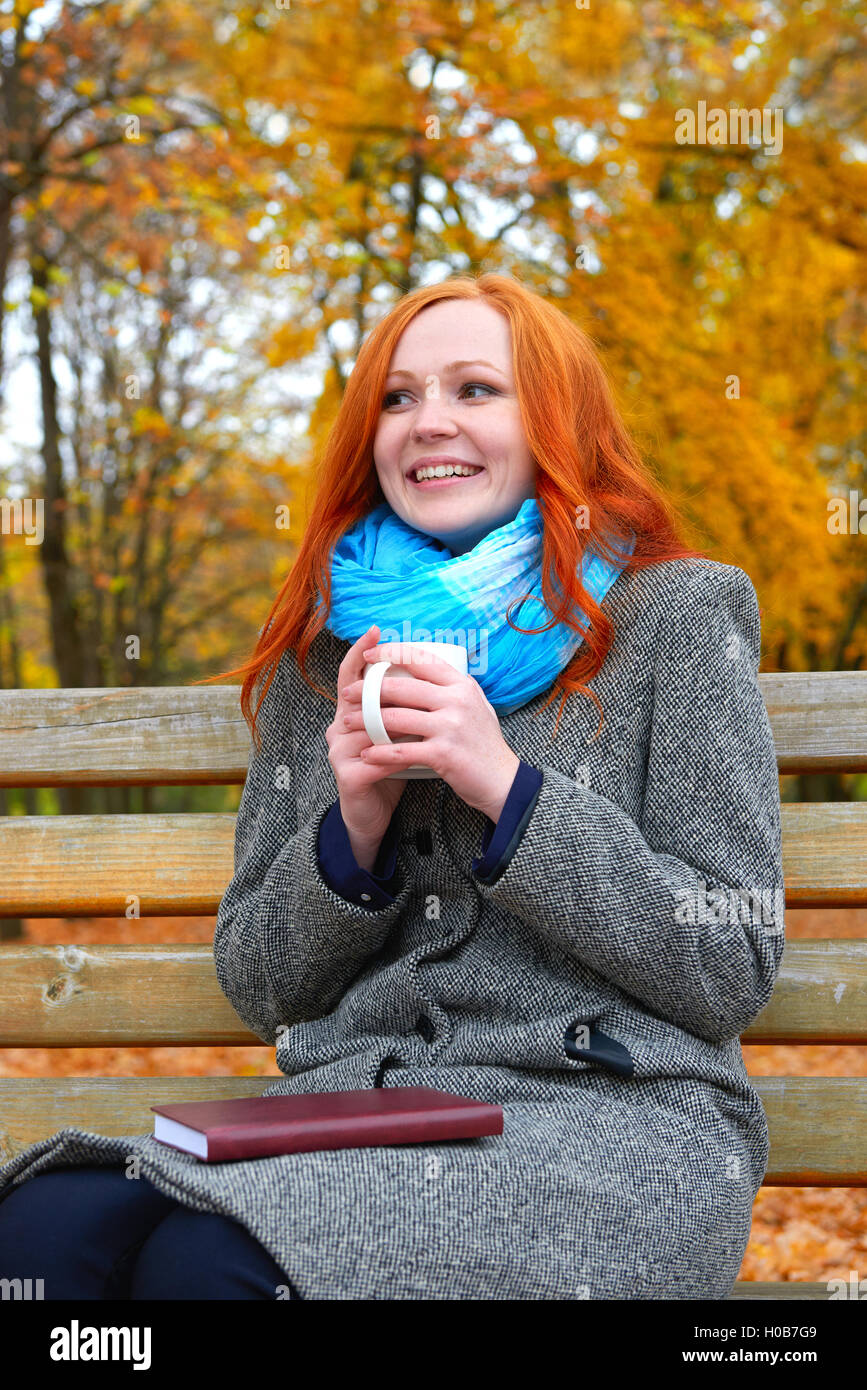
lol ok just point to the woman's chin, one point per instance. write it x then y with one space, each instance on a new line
457 537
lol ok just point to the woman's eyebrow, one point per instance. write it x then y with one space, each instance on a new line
455 367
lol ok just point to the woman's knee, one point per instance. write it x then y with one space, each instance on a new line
203 1255
70 1227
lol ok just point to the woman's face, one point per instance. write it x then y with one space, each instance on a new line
436 410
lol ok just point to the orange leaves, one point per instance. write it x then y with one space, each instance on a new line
290 342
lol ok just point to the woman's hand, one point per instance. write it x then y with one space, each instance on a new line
367 802
461 737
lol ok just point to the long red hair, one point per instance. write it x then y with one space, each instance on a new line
584 455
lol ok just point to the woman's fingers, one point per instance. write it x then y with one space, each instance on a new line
355 740
345 745
419 662
397 722
353 664
356 773
403 691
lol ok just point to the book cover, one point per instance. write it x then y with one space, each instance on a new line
260 1126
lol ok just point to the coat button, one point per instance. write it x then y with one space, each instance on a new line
365 897
426 1028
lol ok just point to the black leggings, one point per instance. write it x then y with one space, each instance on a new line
94 1233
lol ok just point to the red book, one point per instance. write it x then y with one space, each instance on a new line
259 1126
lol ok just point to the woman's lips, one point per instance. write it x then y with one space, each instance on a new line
444 482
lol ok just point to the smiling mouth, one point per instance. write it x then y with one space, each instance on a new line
445 480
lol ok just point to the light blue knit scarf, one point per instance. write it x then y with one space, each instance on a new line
386 572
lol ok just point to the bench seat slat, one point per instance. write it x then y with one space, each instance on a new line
816 1124
33 1108
785 1289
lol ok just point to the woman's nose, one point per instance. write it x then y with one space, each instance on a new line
432 415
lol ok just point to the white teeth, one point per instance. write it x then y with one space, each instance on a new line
446 470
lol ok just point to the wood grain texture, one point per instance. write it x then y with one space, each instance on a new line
154 996
176 864
33 1108
114 996
170 735
136 736
816 1124
158 865
818 718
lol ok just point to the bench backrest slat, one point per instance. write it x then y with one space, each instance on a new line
166 735
149 996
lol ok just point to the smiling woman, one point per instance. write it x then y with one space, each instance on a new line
447 416
528 926
482 372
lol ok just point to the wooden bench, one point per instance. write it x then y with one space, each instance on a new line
180 864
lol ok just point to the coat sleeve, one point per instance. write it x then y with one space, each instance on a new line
286 946
685 912
341 870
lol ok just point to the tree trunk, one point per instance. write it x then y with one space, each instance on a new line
57 570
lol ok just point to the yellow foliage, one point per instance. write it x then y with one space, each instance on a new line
723 285
148 421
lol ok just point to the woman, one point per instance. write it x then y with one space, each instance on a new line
573 919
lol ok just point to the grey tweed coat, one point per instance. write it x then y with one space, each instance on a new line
596 990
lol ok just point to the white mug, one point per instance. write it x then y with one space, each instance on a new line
371 710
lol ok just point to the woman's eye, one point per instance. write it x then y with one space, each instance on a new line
391 397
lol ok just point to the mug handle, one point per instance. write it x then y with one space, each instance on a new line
371 690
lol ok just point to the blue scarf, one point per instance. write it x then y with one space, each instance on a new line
386 572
